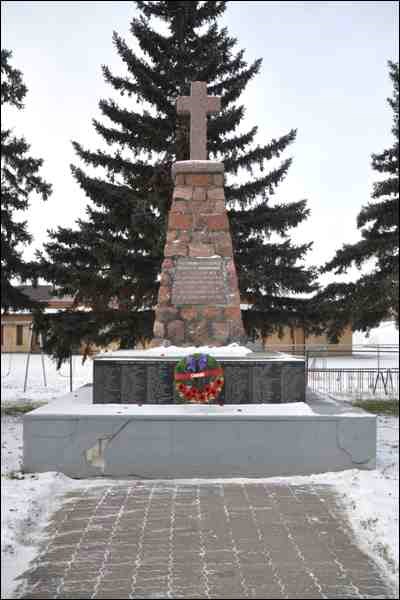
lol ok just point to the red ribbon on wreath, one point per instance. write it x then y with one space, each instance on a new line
208 373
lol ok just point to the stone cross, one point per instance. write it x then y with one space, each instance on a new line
198 105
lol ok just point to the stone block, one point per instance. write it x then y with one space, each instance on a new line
200 179
184 236
221 236
223 249
165 279
189 313
176 248
220 206
158 329
217 222
200 222
237 331
233 313
216 193
180 179
220 330
230 267
180 206
189 167
218 179
183 193
176 331
212 313
202 206
201 237
172 235
234 296
197 332
199 194
166 314
167 264
164 295
156 342
179 221
201 250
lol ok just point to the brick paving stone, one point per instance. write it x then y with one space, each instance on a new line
186 540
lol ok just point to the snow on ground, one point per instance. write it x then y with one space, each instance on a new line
386 333
13 369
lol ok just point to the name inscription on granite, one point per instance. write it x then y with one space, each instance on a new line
199 281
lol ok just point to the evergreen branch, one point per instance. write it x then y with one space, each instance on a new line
145 77
385 214
13 89
387 161
232 144
386 188
247 192
264 218
260 154
134 140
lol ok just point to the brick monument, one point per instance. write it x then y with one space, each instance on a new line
198 300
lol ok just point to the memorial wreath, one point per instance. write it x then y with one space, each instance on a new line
198 379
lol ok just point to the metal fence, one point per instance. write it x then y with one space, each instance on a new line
356 370
359 382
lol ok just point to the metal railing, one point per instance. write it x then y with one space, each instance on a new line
356 370
360 382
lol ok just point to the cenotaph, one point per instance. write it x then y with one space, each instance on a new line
198 299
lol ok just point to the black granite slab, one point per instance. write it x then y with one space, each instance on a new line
252 379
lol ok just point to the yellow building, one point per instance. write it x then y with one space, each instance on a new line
16 327
296 339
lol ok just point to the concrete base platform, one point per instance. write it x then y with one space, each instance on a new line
82 439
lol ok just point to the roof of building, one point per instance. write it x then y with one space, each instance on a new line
43 294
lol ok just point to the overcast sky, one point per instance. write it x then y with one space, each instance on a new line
324 72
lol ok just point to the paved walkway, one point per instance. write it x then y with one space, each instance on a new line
145 539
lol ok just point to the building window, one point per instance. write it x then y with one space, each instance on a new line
20 335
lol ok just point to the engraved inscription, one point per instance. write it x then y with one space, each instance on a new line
111 384
265 380
236 389
159 384
133 383
199 281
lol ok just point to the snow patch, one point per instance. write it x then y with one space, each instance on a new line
178 351
386 333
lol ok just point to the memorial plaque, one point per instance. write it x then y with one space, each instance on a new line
252 379
199 281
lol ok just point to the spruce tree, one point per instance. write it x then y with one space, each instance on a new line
19 179
375 294
112 260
